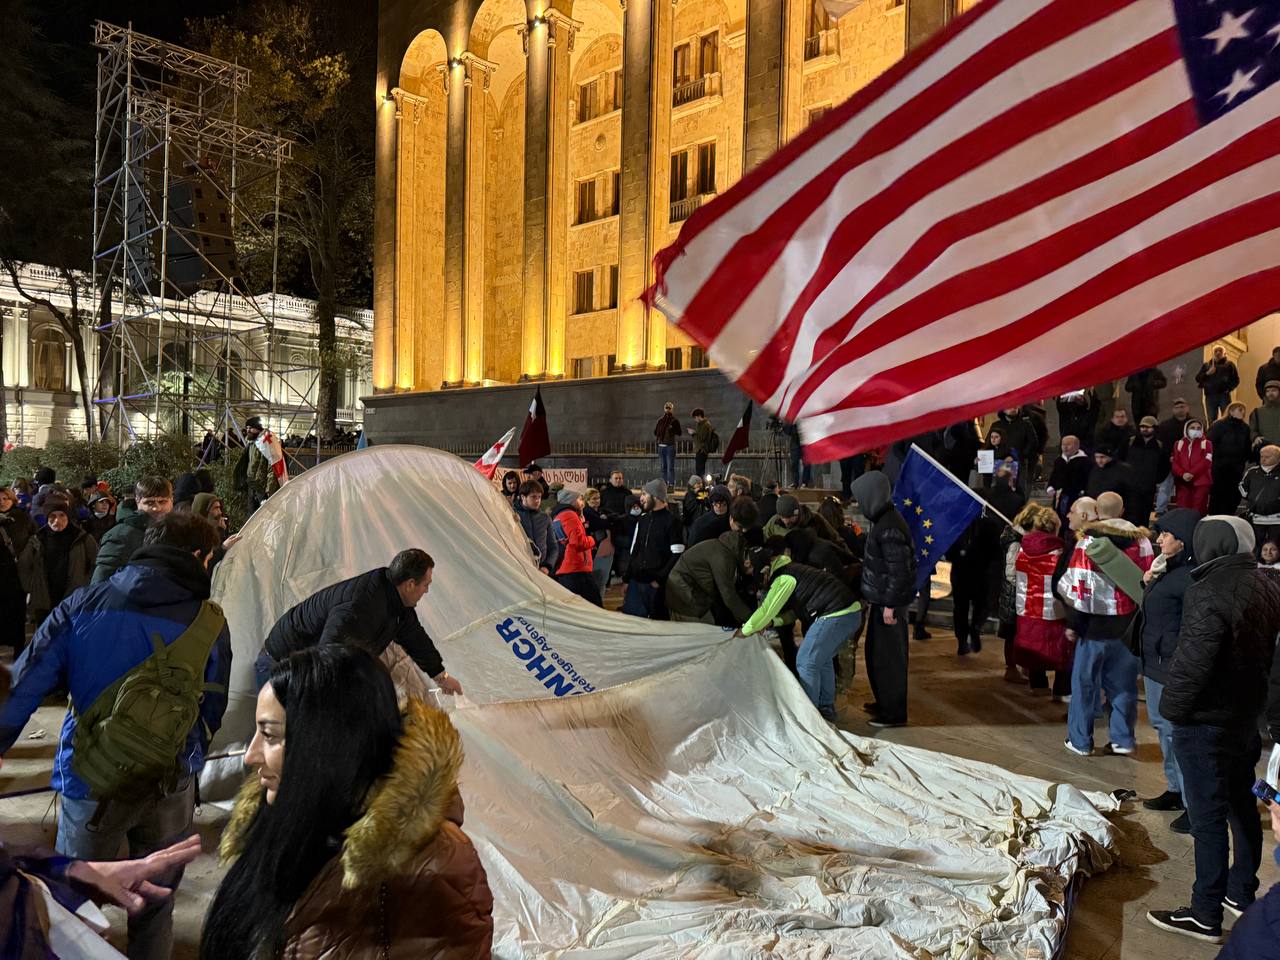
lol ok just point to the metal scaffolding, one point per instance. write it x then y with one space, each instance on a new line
168 119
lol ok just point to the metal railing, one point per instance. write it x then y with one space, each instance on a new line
682 210
707 85
825 43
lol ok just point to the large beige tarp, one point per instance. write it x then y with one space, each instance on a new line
645 789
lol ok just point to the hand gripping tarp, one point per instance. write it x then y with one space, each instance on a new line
647 789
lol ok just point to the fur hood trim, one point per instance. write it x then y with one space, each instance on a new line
1115 528
404 811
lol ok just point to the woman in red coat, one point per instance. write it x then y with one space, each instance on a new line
1041 643
574 572
1193 468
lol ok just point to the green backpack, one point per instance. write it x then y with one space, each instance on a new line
127 744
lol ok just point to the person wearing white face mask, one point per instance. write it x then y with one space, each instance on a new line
1193 468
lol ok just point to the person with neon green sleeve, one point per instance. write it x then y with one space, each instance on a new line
827 610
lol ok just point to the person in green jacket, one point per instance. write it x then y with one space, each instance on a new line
827 610
152 499
702 587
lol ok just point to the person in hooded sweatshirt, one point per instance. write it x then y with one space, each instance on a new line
62 562
576 546
1224 675
1098 612
888 586
1192 468
1155 630
1232 444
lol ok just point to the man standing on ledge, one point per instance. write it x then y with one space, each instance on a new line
373 610
667 432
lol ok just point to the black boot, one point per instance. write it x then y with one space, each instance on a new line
962 647
975 641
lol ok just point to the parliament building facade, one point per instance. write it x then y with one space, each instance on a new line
532 157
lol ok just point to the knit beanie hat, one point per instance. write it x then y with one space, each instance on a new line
203 503
657 489
788 505
567 496
56 503
721 494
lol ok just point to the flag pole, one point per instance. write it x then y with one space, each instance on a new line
965 487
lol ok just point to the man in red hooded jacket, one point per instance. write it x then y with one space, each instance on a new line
576 547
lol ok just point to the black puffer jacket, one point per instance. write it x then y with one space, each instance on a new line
1224 671
1159 619
658 543
367 610
889 566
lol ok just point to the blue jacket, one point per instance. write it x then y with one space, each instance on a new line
1256 935
103 631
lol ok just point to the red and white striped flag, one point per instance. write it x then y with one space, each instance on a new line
488 464
1048 194
271 449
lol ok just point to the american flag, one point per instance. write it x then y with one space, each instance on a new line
1047 194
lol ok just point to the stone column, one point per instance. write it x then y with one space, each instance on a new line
476 73
546 132
662 30
925 18
455 222
385 221
560 30
646 121
533 329
766 57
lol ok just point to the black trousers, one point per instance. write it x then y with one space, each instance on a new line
887 663
583 584
700 463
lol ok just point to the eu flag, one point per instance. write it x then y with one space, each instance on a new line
937 507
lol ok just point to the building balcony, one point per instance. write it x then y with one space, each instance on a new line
822 48
682 210
691 91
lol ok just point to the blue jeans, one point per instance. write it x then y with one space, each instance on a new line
667 462
1103 666
148 826
1164 731
600 568
801 472
821 643
1217 787
1164 493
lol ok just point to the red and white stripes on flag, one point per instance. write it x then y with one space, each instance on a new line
1028 203
271 449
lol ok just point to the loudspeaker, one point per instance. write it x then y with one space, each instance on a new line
200 251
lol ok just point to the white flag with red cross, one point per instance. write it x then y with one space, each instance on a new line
488 464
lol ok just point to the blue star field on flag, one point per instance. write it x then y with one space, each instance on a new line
1231 49
937 509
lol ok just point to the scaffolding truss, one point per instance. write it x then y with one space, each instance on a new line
168 132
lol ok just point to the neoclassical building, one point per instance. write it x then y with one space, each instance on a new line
533 156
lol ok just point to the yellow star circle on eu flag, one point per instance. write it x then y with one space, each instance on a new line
907 502
924 552
919 510
928 539
928 524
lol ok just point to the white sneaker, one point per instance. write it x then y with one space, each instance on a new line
1076 750
1120 751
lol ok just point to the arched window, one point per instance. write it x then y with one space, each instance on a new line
49 368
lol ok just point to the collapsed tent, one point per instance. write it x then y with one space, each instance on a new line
651 789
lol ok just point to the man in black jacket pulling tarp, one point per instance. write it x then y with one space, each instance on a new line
371 610
1222 676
